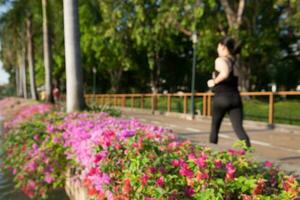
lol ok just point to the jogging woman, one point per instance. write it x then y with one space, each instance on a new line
225 86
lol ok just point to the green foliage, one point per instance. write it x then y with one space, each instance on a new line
141 45
105 108
166 170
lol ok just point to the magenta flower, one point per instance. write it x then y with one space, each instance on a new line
192 157
55 140
100 156
50 128
236 152
144 179
125 134
201 162
185 171
48 178
160 181
36 137
189 191
109 195
31 166
31 185
153 170
268 164
218 164
230 170
175 163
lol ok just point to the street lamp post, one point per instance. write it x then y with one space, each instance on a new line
94 80
194 40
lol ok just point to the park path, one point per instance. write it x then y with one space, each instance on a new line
280 145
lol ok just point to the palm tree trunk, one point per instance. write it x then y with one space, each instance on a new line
23 75
115 79
30 58
17 76
47 54
75 98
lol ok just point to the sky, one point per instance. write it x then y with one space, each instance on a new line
3 75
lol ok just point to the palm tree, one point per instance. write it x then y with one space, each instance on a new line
30 57
12 44
75 98
47 53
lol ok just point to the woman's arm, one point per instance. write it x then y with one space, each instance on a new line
222 67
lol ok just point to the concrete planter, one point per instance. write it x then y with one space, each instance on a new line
74 190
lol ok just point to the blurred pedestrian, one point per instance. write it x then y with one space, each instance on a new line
56 94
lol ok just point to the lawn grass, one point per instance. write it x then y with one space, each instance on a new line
286 111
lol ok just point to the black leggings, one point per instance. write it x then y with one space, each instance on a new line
232 104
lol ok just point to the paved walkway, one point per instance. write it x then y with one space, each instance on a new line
280 145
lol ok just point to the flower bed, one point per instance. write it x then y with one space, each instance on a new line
115 159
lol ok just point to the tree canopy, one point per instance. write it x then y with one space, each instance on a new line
145 45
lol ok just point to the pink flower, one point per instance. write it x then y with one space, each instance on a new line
201 162
36 137
144 179
173 145
218 164
50 128
189 191
160 181
260 185
268 164
185 171
153 170
55 140
100 156
192 157
31 166
176 163
127 186
236 152
48 178
109 195
126 133
246 197
230 170
202 176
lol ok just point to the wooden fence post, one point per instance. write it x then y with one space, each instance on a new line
132 101
209 105
271 110
124 101
169 102
153 103
204 105
185 104
142 101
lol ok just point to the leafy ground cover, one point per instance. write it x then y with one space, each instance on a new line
123 159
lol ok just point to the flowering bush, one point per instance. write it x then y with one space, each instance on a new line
26 113
35 157
125 159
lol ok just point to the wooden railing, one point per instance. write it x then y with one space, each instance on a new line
120 100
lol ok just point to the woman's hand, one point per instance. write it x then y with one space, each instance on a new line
211 83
